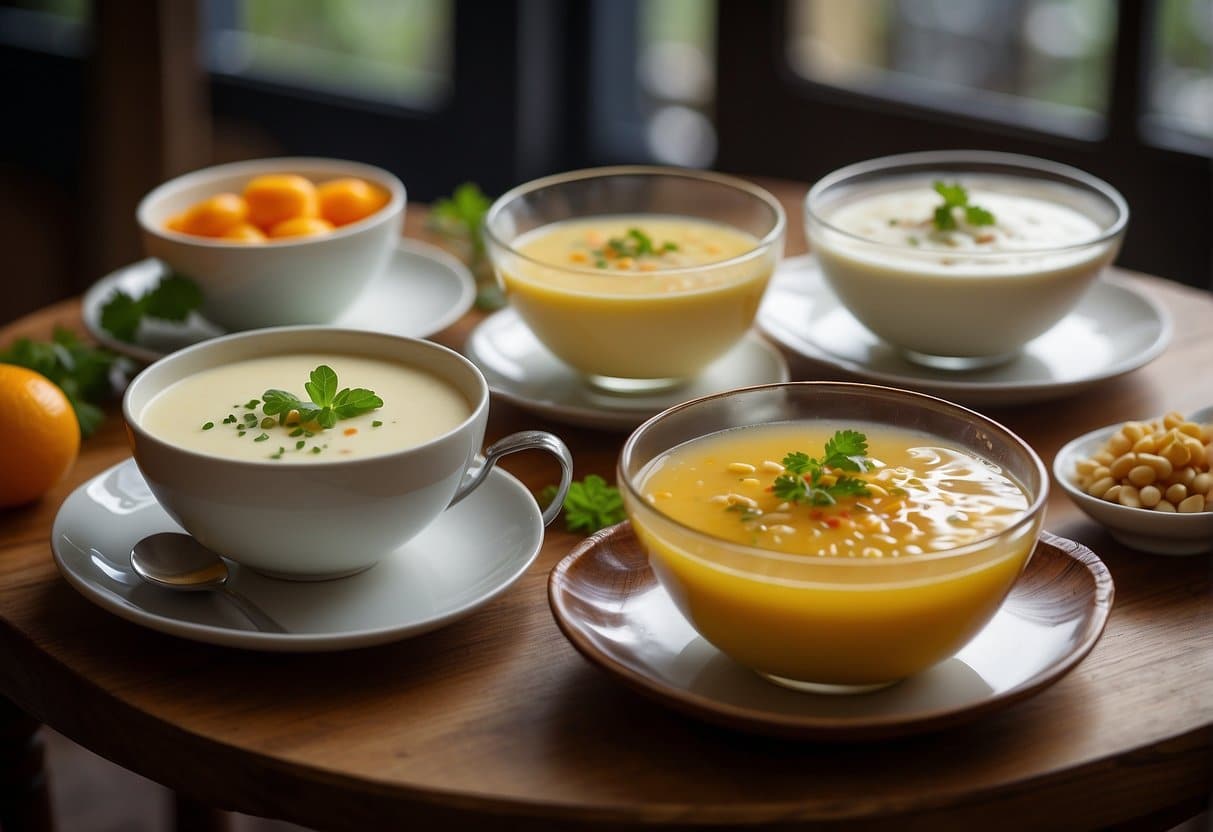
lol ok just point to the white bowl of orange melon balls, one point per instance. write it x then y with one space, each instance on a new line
276 241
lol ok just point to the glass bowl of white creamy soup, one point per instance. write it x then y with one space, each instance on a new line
959 258
637 277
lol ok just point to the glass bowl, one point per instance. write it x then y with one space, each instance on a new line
972 297
636 331
833 624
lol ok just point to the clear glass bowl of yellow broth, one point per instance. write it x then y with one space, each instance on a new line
960 257
843 596
637 277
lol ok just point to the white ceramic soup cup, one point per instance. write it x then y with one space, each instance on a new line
294 280
313 521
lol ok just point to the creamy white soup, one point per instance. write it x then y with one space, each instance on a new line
225 411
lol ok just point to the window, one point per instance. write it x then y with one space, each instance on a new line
1180 98
394 51
1044 60
1119 88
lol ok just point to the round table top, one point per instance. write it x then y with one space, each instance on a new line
496 721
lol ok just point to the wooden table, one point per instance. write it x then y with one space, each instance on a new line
495 722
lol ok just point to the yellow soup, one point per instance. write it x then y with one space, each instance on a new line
643 296
838 579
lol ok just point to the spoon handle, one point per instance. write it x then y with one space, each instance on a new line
252 612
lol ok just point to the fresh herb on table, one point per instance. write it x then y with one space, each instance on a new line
955 196
174 297
634 244
590 505
810 480
83 373
460 218
327 405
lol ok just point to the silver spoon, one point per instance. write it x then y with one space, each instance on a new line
177 561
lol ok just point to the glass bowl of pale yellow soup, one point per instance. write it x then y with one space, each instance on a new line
833 537
960 258
636 277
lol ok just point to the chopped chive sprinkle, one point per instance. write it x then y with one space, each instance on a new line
251 418
241 432
268 422
296 432
376 423
278 455
231 419
251 404
315 449
208 426
299 445
262 437
308 434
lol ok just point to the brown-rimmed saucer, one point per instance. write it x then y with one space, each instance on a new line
609 604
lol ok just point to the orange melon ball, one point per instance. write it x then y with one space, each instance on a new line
176 223
279 196
214 215
301 227
343 201
244 233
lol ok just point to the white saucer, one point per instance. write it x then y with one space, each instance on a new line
1113 330
521 370
423 290
471 553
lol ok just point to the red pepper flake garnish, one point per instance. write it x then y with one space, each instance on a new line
350 431
833 522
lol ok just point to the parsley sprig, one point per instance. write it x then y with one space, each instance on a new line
805 478
460 219
635 244
590 505
174 297
955 196
327 404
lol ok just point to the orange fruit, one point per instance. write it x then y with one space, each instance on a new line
343 201
214 215
301 227
244 233
41 435
277 197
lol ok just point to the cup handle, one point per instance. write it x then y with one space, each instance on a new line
526 440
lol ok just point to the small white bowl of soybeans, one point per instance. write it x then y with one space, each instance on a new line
1149 482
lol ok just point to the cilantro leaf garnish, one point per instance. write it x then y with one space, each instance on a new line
590 505
810 480
323 386
173 298
955 196
328 405
635 243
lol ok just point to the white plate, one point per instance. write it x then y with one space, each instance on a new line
470 554
519 369
1113 330
423 290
